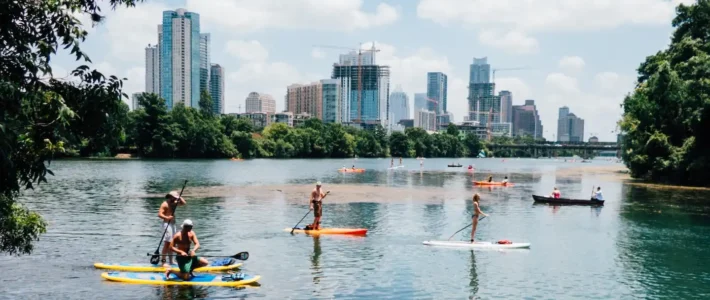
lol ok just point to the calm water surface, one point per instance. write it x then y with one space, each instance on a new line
643 244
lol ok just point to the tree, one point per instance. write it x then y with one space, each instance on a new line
452 130
666 115
206 104
473 144
400 145
38 113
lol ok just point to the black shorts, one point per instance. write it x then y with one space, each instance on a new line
317 208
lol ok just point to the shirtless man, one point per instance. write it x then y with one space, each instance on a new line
317 196
186 259
167 214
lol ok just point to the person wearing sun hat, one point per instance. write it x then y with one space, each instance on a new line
316 203
167 214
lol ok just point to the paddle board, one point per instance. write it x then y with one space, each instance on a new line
476 245
199 279
218 265
352 231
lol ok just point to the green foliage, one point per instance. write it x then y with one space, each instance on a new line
665 116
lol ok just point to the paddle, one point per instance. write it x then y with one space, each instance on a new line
464 228
239 256
309 211
156 257
592 193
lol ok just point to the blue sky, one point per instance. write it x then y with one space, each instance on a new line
582 54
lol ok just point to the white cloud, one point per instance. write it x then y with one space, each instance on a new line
611 82
317 53
130 30
557 15
247 50
247 15
571 65
516 42
517 87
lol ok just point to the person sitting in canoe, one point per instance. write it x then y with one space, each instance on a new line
505 180
186 259
166 213
555 193
316 206
476 213
490 178
598 195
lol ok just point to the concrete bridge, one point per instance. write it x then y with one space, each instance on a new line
551 148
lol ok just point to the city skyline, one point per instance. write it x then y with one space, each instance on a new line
578 70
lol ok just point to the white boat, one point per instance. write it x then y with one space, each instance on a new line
476 245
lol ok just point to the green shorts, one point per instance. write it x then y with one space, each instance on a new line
187 263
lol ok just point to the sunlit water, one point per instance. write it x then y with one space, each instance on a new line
641 244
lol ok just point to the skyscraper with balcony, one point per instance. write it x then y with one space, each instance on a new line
152 69
180 58
205 63
217 88
436 92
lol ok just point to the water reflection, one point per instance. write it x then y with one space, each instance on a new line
473 276
181 292
315 260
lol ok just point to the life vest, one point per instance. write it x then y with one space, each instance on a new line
504 242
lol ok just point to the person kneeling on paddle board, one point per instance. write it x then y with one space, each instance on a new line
186 259
167 214
476 213
317 206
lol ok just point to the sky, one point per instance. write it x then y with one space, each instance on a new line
577 53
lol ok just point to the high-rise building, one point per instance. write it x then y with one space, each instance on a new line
180 58
436 92
506 106
570 128
480 71
366 102
152 69
134 98
482 103
217 88
526 120
399 105
420 101
331 100
305 98
425 119
366 58
205 63
260 103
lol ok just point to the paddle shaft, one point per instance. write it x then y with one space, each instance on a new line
464 228
309 211
157 250
237 256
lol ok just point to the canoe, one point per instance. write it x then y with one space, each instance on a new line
351 231
499 183
476 245
351 170
218 265
205 279
454 166
542 199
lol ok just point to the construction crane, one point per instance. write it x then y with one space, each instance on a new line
507 69
359 71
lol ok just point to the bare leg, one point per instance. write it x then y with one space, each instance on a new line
168 257
316 223
473 229
202 263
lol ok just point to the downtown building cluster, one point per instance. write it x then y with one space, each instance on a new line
178 67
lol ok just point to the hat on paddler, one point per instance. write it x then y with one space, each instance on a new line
174 195
318 183
187 222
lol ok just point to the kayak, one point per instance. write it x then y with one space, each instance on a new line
498 183
352 231
477 245
542 199
218 265
351 170
199 279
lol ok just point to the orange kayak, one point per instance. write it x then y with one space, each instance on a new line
351 170
352 231
492 183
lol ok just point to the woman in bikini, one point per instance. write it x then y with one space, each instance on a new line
476 213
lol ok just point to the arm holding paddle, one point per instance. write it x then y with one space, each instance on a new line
197 244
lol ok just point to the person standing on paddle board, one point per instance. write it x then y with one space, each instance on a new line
186 259
317 205
476 213
167 214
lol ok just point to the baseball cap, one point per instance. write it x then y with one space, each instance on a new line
187 222
318 183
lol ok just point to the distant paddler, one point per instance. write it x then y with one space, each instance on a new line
166 212
316 204
400 160
392 163
476 214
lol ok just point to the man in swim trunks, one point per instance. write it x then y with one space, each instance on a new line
186 259
317 196
167 214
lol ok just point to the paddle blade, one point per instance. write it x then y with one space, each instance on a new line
241 256
155 259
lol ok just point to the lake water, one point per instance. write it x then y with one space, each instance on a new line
645 244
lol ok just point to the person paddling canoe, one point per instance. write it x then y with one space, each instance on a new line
167 214
186 259
476 213
598 195
316 203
